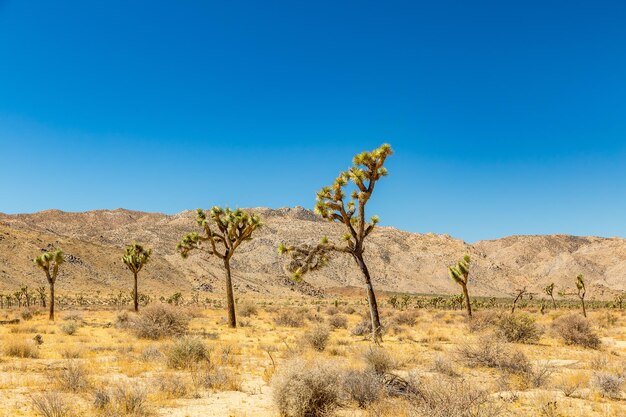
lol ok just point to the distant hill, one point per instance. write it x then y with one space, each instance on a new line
399 261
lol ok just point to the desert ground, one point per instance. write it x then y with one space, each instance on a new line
310 356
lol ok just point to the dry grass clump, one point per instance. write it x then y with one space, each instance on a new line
406 318
247 308
26 314
482 320
317 337
338 321
307 388
378 360
122 400
520 328
186 352
362 386
150 353
74 316
452 398
21 348
51 404
219 378
444 366
172 386
489 352
160 320
576 330
570 384
289 318
72 376
609 384
69 328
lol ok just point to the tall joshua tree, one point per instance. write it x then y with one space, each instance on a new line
223 230
49 262
580 286
367 169
135 258
460 274
549 290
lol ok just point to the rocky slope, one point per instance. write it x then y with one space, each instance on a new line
399 261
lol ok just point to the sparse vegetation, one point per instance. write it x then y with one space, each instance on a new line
576 330
160 320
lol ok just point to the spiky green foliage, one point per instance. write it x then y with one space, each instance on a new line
135 257
232 227
223 230
549 290
344 202
50 262
331 204
460 274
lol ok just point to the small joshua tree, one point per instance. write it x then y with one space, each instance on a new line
364 174
619 300
580 286
135 258
49 262
460 274
223 231
41 291
549 290
519 296
24 290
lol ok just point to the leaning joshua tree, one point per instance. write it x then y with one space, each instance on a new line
580 286
460 274
49 262
223 231
549 290
331 205
135 258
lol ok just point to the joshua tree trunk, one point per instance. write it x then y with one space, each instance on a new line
582 301
467 301
553 302
371 298
51 302
230 297
136 293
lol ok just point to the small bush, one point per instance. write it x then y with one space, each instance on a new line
72 377
26 314
378 360
160 320
69 328
332 310
51 404
482 320
608 384
73 316
452 398
364 328
247 309
130 400
444 366
362 387
122 320
172 386
318 337
289 319
186 352
150 353
406 318
220 379
576 330
338 321
306 389
520 328
21 349
492 353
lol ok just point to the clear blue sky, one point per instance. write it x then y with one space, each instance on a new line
506 117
